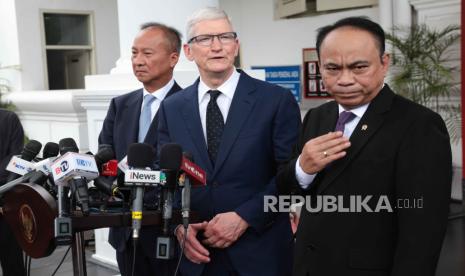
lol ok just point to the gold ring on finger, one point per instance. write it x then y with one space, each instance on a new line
325 154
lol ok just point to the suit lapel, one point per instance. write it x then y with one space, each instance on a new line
133 107
241 106
191 115
367 126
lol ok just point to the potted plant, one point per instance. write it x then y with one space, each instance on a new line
423 69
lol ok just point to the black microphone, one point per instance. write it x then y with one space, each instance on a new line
51 149
103 183
30 150
104 154
140 157
78 184
62 223
170 162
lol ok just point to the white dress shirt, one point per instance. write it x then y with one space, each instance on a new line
306 179
159 95
224 100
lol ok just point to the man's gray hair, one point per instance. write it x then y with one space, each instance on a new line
208 13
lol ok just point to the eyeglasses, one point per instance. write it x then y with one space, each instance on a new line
207 39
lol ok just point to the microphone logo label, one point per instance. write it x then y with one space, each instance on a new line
64 166
141 177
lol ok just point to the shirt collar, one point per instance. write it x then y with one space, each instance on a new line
358 111
161 93
227 88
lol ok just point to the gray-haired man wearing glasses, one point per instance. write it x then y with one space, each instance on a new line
239 130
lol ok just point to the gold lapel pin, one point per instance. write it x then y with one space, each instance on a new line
364 127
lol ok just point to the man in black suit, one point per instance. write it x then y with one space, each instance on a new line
133 118
384 159
11 143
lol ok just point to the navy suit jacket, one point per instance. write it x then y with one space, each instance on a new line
120 129
259 133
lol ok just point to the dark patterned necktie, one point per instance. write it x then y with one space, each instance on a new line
344 118
215 125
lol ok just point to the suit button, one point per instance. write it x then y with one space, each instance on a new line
311 247
215 184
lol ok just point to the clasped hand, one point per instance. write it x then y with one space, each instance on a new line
220 232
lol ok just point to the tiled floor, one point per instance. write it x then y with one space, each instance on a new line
451 262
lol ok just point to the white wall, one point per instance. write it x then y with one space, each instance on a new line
31 51
9 54
266 41
173 13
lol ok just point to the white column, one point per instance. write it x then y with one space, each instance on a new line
385 14
402 13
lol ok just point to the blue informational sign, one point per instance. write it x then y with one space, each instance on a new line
285 76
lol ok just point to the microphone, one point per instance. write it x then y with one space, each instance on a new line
104 154
197 175
103 158
51 149
21 165
186 193
141 158
49 155
30 177
170 163
74 169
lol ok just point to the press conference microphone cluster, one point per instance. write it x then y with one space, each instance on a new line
74 170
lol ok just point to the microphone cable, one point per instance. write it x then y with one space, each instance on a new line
62 260
183 245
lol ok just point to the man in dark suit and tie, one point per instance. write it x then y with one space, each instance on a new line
384 159
133 118
11 143
239 129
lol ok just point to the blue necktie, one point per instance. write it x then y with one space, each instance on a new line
145 118
215 125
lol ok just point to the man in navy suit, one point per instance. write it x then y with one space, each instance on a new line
133 118
239 129
368 145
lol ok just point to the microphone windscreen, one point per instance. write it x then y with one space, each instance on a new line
104 154
170 156
141 155
30 150
67 145
50 150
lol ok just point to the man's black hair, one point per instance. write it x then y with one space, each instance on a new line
362 23
173 35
